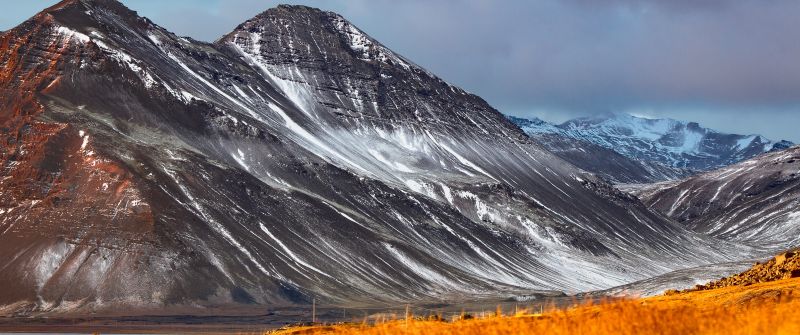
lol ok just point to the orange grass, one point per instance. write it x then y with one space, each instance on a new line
768 308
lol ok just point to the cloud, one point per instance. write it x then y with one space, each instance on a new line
561 59
565 58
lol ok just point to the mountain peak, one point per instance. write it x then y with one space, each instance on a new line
88 5
79 14
296 33
282 9
302 8
81 18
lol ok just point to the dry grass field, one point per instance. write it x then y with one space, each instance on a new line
764 308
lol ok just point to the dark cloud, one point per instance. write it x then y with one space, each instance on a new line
733 65
673 5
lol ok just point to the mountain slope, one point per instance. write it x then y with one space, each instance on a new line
295 158
753 202
667 149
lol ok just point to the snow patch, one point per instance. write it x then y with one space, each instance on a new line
85 142
393 165
212 86
69 33
239 157
289 252
133 64
419 269
482 210
745 142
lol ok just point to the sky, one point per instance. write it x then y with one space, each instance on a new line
732 65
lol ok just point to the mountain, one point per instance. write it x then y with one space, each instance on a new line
295 158
664 148
597 159
754 202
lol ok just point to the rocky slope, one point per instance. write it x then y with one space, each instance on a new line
754 202
663 149
783 266
295 158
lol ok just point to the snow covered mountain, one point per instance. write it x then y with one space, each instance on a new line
597 159
295 158
756 202
669 148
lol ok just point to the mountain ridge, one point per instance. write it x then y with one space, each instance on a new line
752 202
666 148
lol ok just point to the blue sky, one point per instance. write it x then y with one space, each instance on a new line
730 65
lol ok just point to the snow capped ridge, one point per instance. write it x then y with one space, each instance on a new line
674 143
288 19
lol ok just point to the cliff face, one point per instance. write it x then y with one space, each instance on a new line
295 158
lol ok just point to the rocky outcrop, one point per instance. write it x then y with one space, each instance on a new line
783 266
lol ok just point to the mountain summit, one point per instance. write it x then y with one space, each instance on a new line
294 159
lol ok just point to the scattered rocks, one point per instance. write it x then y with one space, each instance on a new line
783 266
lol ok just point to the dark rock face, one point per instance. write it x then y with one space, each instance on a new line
657 150
753 202
295 158
782 145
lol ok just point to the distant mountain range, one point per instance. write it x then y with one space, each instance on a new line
658 149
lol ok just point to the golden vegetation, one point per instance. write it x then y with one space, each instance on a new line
764 308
